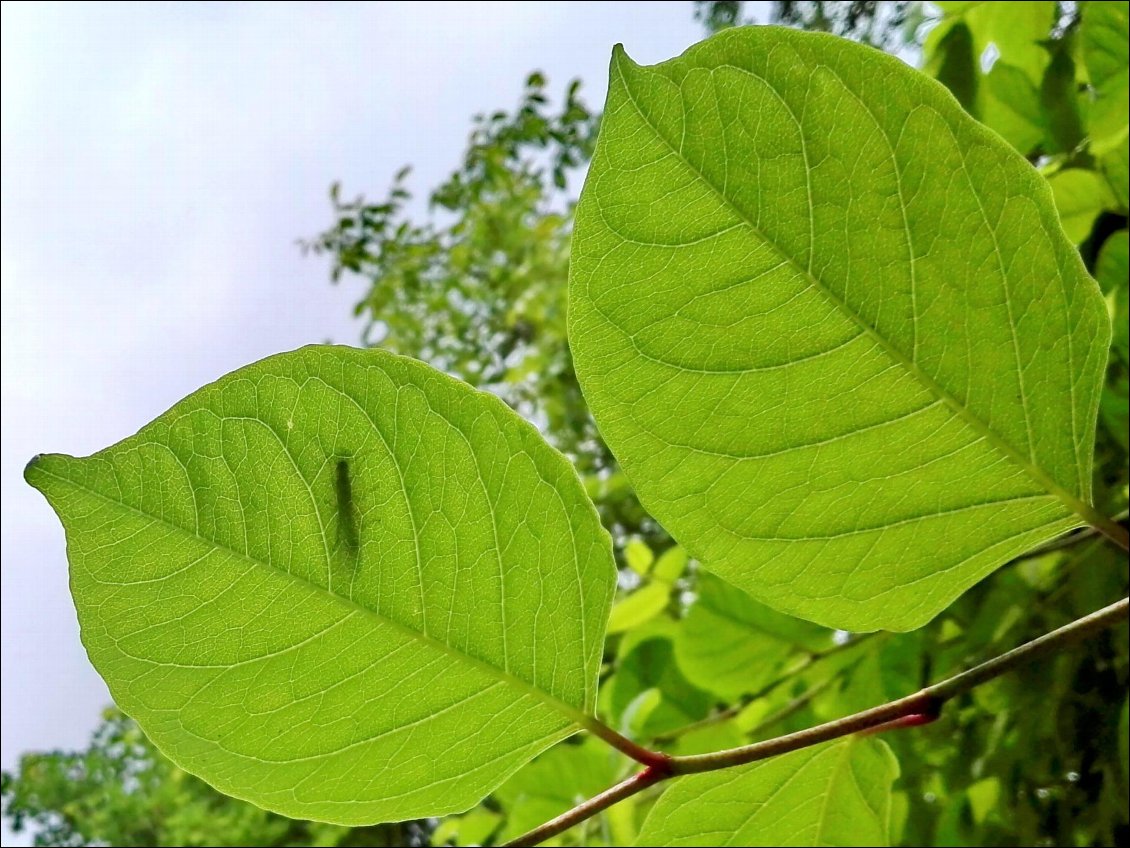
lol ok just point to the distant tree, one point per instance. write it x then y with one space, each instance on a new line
123 791
887 25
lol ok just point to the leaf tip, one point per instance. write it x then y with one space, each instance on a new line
620 57
33 471
32 464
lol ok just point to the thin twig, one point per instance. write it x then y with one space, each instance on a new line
919 708
806 663
587 809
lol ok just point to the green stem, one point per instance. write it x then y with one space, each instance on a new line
918 708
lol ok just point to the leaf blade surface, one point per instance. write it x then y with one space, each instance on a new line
339 584
825 320
835 794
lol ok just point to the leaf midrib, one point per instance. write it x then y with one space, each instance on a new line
578 717
1074 504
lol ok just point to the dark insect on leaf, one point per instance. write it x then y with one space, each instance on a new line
347 523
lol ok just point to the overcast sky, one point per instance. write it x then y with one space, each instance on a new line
159 162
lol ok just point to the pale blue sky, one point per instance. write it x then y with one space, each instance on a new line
159 162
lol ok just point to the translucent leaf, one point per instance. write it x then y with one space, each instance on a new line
950 59
836 794
1105 40
831 327
900 810
1015 31
650 665
671 564
984 797
634 720
731 645
1080 196
1014 110
710 737
339 584
1012 38
554 782
642 605
1116 166
1113 273
639 556
474 828
622 826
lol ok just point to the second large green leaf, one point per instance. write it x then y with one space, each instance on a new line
831 326
339 584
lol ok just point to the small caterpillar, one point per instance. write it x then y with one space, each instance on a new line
347 523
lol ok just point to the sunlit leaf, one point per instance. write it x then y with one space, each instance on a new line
671 565
339 584
993 57
1105 40
836 794
554 782
731 645
1115 165
831 327
984 796
650 665
638 556
1080 196
1113 272
1015 112
474 828
641 605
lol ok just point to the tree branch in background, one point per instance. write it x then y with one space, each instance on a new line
807 661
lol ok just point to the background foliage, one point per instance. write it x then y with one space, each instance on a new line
477 289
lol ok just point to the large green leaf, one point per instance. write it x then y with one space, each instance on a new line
836 794
831 326
1014 110
339 584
